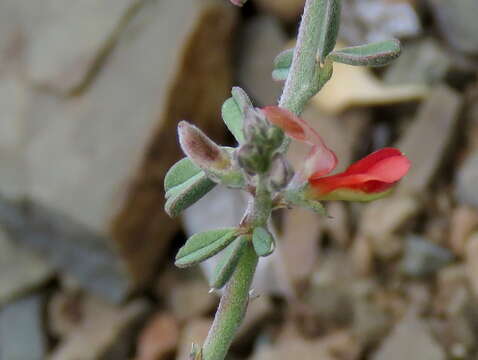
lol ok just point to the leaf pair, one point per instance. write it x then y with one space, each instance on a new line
375 54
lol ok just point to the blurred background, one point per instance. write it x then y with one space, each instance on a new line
90 95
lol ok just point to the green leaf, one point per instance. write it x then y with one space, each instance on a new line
234 119
376 54
228 263
202 246
263 241
282 64
187 193
299 197
180 172
329 17
233 112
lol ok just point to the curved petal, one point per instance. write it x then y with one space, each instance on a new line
321 160
375 173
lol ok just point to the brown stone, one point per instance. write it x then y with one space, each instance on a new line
159 338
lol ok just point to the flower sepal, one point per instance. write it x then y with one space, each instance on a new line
300 196
344 195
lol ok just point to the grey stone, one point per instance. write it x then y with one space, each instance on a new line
104 332
22 335
20 269
67 246
467 181
375 20
411 340
457 22
424 258
72 39
437 120
422 62
262 40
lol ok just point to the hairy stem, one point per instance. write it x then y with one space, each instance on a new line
300 86
301 83
232 308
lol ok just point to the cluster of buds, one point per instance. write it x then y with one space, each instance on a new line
259 155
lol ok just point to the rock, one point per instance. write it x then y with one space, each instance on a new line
22 335
410 339
353 86
287 10
20 269
300 244
370 322
437 119
466 181
92 27
457 23
262 40
190 299
366 21
423 258
194 332
103 332
159 338
66 246
422 62
382 219
116 141
464 221
362 255
65 312
290 345
471 256
14 98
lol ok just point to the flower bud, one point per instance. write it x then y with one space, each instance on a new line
280 173
201 149
251 160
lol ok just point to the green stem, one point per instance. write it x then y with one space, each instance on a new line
301 83
300 86
232 308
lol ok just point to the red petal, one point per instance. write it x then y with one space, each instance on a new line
376 172
292 125
321 160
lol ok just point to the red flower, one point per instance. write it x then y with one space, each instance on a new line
365 180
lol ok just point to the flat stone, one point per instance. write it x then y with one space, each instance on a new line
423 258
437 119
22 335
112 146
471 256
467 178
410 339
421 62
66 246
104 331
14 99
365 21
456 20
262 40
72 39
20 269
159 338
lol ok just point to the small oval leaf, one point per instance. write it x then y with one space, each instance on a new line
376 54
226 266
282 64
329 17
180 172
182 196
202 246
242 99
263 241
234 119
